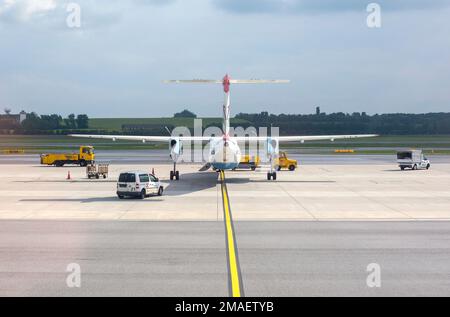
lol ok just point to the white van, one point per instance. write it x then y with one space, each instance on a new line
138 184
413 159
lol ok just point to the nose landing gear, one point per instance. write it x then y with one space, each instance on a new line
174 174
272 175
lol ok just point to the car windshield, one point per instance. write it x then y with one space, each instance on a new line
127 178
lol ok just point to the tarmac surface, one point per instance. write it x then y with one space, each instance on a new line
120 258
139 157
311 193
313 232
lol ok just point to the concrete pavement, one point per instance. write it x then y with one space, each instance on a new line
146 157
121 258
175 245
313 192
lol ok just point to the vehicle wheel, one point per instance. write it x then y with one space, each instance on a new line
402 168
269 176
292 168
142 195
120 196
428 166
253 168
160 191
177 175
104 176
83 163
97 176
414 167
89 176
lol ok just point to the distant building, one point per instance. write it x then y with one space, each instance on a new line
12 120
317 110
152 128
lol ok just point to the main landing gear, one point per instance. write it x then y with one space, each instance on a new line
271 175
174 174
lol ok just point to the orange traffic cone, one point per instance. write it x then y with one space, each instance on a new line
68 175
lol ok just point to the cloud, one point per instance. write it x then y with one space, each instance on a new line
53 13
156 2
113 65
26 10
321 6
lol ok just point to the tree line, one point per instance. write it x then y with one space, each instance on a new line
355 123
289 124
42 124
55 122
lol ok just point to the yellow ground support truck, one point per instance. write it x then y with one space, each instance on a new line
247 161
284 162
83 158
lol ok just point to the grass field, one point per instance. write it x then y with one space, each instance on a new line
379 145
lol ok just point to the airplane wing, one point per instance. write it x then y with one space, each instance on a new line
208 138
139 138
306 137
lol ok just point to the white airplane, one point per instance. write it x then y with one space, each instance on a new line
224 153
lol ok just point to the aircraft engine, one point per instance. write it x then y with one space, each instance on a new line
176 148
273 147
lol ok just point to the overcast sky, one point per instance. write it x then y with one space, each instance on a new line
113 66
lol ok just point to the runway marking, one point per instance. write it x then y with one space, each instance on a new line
235 284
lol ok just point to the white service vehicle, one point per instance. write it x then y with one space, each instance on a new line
138 184
413 159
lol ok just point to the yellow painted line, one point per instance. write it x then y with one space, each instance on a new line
233 263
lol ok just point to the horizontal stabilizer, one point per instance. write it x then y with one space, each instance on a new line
193 81
231 81
259 81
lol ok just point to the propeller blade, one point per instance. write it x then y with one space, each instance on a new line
205 167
